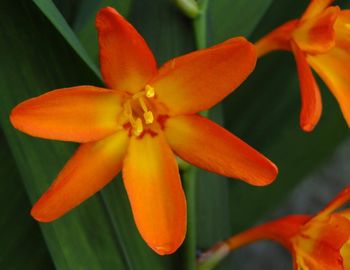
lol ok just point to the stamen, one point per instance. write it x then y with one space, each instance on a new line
148 116
138 127
127 109
149 91
143 104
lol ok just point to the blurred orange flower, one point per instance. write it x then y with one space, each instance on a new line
138 122
321 242
320 39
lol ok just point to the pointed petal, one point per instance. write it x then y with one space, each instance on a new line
278 39
209 146
317 35
89 170
342 198
334 69
197 81
315 8
152 181
79 114
126 61
310 93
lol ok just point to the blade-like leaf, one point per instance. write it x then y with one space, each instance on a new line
48 8
265 113
20 234
37 59
83 21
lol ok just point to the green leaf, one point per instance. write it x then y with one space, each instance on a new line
49 9
84 23
20 234
38 59
101 230
227 18
271 123
265 113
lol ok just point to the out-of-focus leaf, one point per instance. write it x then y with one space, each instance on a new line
265 113
49 9
227 18
99 234
80 15
269 120
19 233
38 59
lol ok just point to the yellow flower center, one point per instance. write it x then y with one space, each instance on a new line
137 110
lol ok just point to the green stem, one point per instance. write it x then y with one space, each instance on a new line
189 182
200 25
190 174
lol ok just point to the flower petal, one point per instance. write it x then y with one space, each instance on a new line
317 35
126 61
89 170
209 146
197 81
345 253
342 29
152 181
278 39
319 242
315 7
80 114
334 69
310 93
342 198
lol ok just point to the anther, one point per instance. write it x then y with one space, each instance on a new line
149 91
138 127
148 116
143 104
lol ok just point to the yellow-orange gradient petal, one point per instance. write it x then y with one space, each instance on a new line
318 244
315 8
197 81
342 29
345 253
79 114
310 93
342 198
126 61
209 146
334 69
278 39
93 165
317 35
152 181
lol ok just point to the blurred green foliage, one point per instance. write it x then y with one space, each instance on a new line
47 45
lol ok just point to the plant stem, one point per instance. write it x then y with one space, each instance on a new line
189 182
200 25
190 174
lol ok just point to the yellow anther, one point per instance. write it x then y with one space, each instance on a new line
137 127
148 116
143 105
347 25
149 91
127 109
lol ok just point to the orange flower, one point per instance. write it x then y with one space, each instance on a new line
135 126
320 39
316 243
